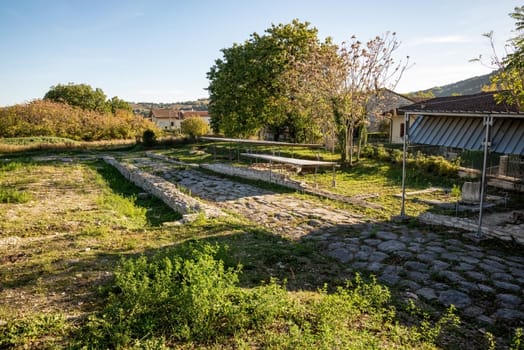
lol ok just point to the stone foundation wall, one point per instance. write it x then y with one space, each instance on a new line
162 189
251 174
507 233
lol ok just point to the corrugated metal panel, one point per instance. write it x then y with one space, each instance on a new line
468 133
504 129
475 134
508 136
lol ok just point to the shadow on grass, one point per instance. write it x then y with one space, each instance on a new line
157 211
302 265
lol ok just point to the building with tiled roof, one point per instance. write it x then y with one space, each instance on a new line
170 119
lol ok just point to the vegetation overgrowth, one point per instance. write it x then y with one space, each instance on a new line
54 119
116 274
187 297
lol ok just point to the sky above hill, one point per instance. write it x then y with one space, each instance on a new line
161 50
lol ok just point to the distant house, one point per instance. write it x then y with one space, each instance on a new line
385 100
386 104
171 119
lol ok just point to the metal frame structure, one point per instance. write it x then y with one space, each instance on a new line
488 123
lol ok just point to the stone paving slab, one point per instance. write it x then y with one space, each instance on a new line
487 285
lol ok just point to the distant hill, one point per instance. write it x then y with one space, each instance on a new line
464 87
144 108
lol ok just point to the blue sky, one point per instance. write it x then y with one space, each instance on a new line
161 50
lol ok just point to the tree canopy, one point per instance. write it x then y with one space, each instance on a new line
509 79
288 81
368 68
248 89
85 97
513 64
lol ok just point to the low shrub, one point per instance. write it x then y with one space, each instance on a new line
186 296
381 153
434 165
149 138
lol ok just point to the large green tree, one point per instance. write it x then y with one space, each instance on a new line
85 97
249 87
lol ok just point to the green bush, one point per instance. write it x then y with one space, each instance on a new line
149 138
194 127
367 151
187 297
174 296
381 153
434 165
397 156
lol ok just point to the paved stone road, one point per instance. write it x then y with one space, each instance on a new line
487 285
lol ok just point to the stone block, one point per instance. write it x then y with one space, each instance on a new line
471 192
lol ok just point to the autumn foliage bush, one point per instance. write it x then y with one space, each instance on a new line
48 118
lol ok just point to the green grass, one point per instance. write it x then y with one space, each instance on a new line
31 329
90 264
9 195
23 147
124 194
10 185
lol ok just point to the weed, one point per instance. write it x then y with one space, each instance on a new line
186 296
23 332
517 341
127 214
9 195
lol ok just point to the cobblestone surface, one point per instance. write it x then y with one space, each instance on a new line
487 285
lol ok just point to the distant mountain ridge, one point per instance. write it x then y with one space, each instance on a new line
464 87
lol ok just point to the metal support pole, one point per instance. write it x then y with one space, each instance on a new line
270 174
315 177
488 123
405 150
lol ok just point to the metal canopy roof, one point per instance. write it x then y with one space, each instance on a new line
481 103
507 134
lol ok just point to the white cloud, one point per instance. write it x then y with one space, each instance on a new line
439 39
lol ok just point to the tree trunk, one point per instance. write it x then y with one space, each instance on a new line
362 140
351 130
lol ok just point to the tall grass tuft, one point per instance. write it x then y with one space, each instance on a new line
127 214
9 195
